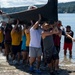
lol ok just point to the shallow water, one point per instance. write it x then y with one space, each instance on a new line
67 19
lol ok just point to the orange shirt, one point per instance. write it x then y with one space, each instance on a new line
16 38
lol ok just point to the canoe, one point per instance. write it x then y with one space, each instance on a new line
48 12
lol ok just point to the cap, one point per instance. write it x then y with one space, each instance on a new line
68 26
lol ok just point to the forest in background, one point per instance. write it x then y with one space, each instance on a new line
68 7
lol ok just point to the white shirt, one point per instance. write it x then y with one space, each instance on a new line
35 37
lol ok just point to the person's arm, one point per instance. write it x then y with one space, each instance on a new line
73 39
55 29
27 31
36 25
13 30
44 34
37 22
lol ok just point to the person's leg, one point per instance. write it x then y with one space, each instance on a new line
50 66
32 60
19 52
10 50
32 55
6 51
49 60
0 47
14 52
3 48
65 49
56 64
19 56
55 58
38 61
57 61
70 50
55 68
27 50
24 55
70 53
39 54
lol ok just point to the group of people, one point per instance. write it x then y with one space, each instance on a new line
29 42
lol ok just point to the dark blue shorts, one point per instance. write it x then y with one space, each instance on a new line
58 49
16 49
51 55
27 49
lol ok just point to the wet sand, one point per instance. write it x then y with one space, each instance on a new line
66 68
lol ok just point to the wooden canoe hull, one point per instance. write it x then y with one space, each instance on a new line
48 12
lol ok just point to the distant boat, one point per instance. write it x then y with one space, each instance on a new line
48 12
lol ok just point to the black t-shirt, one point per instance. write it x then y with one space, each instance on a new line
63 32
67 39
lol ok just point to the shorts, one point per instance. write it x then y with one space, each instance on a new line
16 49
27 49
35 52
51 54
68 46
7 47
0 44
3 47
7 42
53 57
58 49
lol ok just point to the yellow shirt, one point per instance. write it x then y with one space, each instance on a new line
27 39
16 38
1 36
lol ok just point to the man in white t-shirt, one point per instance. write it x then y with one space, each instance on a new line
35 50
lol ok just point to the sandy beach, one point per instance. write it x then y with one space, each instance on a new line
7 68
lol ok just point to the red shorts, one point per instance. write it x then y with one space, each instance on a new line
68 46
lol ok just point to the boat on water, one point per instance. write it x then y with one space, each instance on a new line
48 12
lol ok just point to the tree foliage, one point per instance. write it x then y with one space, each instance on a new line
68 7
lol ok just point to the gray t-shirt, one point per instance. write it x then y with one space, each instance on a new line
48 45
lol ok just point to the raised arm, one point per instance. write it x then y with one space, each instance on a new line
37 22
13 30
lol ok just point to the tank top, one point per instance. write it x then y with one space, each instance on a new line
23 47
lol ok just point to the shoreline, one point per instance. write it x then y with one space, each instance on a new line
7 68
